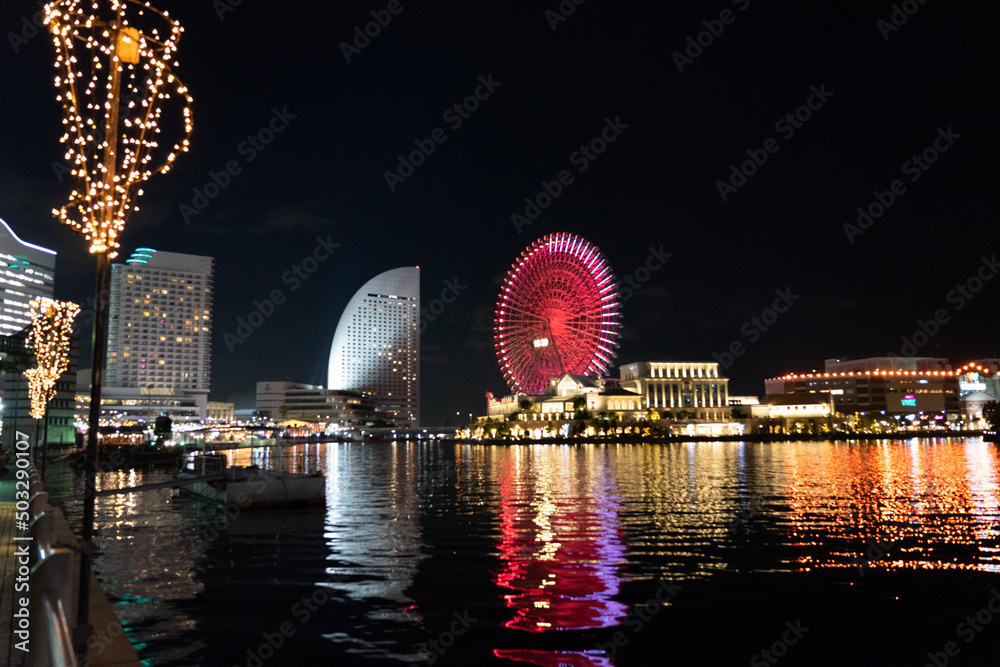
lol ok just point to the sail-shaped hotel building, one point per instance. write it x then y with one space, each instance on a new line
376 348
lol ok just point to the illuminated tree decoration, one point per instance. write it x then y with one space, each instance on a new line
558 312
114 80
51 326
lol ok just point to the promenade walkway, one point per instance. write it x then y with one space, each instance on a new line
8 567
114 647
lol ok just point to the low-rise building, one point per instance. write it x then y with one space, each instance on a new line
16 405
695 388
282 400
914 386
221 412
138 405
681 397
978 386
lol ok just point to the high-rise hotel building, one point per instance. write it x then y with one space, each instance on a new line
28 272
376 348
160 331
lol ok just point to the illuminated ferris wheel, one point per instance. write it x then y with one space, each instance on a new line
558 312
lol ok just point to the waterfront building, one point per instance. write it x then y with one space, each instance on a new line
738 401
785 413
686 398
281 401
692 387
28 272
376 347
911 386
129 406
221 412
886 364
978 385
160 332
16 404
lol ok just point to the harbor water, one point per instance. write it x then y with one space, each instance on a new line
799 553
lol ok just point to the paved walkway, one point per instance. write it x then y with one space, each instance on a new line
8 567
117 652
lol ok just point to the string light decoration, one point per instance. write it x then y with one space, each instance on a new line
51 326
114 81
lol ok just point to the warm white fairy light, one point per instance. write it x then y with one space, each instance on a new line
51 326
103 56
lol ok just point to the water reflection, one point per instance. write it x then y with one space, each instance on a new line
935 501
374 537
557 658
538 539
562 545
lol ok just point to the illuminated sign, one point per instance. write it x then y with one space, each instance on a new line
972 386
909 401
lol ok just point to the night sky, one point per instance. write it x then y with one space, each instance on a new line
880 95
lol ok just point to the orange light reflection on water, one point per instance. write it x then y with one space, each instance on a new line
930 504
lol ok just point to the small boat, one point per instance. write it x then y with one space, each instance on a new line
250 487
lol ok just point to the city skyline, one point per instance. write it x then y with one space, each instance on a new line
720 174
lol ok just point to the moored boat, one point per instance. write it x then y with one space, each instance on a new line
251 487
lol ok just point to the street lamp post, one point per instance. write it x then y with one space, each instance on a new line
113 144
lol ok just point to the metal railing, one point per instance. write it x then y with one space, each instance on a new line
55 567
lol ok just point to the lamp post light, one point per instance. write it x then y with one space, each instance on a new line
51 327
113 144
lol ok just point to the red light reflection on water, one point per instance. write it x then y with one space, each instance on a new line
560 538
557 658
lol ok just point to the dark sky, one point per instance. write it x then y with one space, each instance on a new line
657 185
